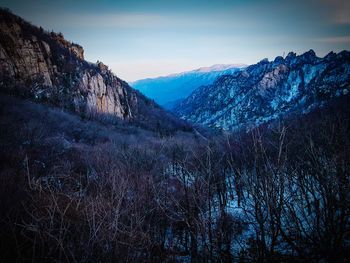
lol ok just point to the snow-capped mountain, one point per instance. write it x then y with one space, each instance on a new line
267 90
173 88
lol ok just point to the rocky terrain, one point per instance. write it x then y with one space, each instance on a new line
170 90
47 68
269 89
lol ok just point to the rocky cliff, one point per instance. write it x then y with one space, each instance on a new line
267 90
45 67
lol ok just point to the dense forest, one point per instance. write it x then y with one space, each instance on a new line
78 190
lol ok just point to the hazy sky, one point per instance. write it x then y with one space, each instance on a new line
147 38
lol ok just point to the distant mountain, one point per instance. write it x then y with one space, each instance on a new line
173 88
47 68
267 90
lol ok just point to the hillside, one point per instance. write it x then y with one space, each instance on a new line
45 67
268 90
82 191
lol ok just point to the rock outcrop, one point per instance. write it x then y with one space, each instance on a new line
268 90
44 66
73 48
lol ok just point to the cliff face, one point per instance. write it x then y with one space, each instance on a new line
267 90
46 67
23 58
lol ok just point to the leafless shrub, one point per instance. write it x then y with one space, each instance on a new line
278 193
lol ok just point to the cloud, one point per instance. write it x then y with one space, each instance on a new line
342 39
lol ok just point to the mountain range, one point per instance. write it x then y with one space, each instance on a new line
171 89
268 90
47 68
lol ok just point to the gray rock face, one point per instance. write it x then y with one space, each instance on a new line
45 67
104 98
23 57
267 90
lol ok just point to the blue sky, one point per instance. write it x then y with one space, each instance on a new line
140 39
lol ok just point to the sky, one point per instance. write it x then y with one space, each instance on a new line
140 39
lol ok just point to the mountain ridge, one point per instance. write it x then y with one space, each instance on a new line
268 89
165 90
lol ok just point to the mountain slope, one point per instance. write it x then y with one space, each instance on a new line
266 90
45 67
166 90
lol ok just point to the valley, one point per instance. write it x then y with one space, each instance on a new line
250 164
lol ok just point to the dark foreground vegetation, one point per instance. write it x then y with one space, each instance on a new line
82 191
